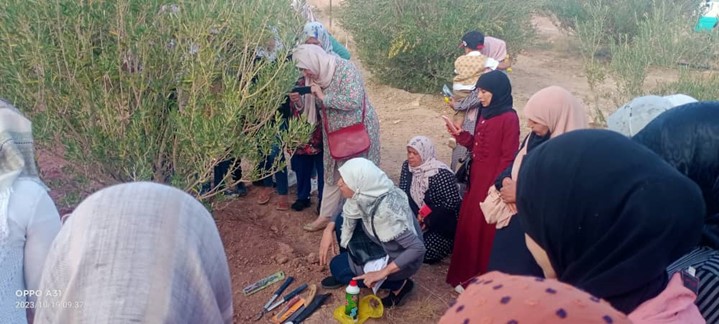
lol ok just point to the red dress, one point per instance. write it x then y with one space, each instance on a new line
493 146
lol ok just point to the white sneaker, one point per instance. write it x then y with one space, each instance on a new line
314 185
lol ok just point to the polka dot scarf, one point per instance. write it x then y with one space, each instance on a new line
500 298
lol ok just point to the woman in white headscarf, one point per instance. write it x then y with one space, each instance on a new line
29 220
138 252
434 194
317 34
382 211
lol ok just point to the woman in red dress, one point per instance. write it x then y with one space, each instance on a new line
492 146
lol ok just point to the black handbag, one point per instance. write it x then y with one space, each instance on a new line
360 247
462 173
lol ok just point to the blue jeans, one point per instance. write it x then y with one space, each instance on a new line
221 170
341 271
280 176
303 165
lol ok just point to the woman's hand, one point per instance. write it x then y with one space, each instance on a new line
452 103
317 91
328 244
509 191
371 278
451 128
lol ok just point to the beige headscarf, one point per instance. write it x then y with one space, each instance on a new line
556 108
322 65
137 252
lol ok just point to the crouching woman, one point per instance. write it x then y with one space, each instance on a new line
376 221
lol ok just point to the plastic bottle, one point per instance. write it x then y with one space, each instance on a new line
352 295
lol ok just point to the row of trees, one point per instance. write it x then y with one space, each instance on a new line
145 90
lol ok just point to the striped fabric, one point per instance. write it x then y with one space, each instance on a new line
706 262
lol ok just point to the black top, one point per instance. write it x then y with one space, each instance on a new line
687 137
610 214
442 197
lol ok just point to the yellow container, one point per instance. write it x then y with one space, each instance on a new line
370 306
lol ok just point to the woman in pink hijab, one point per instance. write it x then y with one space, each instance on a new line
550 112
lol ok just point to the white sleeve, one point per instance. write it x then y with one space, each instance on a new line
41 231
492 63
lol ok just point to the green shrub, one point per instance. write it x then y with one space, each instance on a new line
701 87
412 45
625 39
625 17
143 90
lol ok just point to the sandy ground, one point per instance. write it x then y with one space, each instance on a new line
260 240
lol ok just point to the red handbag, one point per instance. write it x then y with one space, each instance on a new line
348 142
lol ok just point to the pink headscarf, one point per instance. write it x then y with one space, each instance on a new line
500 298
322 65
494 48
556 108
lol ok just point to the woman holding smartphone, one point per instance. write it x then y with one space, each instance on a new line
493 144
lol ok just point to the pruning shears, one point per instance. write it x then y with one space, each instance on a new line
277 293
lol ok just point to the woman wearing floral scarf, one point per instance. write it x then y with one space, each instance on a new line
434 194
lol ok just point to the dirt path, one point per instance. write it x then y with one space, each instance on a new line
260 240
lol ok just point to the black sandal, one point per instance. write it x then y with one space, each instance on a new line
301 204
396 300
331 283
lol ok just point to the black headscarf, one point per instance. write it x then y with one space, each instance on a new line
687 137
498 84
610 214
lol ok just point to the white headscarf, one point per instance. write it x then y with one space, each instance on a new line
430 166
317 30
322 65
17 157
138 252
392 217
636 114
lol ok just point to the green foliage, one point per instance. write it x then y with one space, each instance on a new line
624 18
412 45
635 36
704 87
142 90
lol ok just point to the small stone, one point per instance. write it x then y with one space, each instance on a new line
281 259
274 229
312 258
285 249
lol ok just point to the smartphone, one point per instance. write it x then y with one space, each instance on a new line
302 90
449 123
446 92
